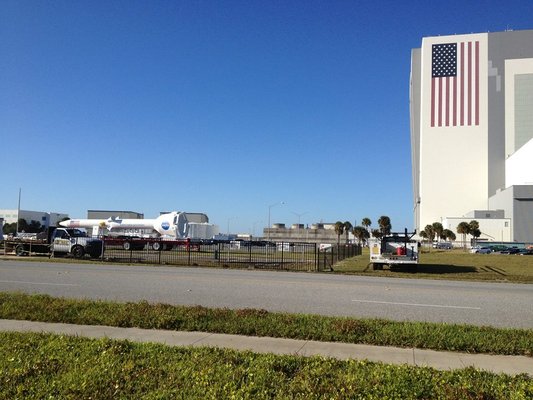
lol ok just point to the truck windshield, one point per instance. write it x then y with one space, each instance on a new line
76 233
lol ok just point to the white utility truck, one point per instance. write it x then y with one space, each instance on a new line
394 250
55 241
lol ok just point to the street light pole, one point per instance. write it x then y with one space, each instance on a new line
269 208
227 231
253 227
299 215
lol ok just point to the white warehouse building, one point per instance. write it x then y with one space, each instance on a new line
46 219
471 114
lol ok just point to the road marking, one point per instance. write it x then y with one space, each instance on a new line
416 305
42 283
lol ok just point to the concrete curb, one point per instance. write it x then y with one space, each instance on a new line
511 365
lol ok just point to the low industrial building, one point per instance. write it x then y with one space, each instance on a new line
105 214
46 219
493 224
317 233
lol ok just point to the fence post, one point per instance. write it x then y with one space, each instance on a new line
189 253
159 251
316 260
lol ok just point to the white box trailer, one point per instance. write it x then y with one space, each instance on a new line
394 250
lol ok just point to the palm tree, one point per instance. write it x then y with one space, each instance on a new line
474 229
361 233
423 235
366 223
377 233
430 232
339 230
448 235
473 225
438 229
347 229
464 229
384 225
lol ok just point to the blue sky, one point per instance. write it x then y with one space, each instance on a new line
222 107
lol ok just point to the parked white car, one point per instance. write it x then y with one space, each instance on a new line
480 250
443 245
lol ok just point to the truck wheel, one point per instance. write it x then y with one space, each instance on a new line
77 251
377 267
126 245
19 250
156 246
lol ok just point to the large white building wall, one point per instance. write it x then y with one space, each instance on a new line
517 133
453 159
414 112
518 167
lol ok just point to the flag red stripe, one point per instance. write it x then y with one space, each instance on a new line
432 102
455 101
440 102
462 84
447 101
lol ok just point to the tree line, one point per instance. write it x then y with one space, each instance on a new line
364 231
24 226
436 230
430 233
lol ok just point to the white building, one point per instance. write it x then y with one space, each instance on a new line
471 109
44 218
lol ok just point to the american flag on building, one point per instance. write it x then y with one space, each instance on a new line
455 84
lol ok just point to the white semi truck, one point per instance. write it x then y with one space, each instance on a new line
394 250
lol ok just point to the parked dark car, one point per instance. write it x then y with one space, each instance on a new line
525 252
510 250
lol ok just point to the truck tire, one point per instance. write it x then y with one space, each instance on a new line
126 245
19 250
156 246
77 251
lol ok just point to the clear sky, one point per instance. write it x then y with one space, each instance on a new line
222 107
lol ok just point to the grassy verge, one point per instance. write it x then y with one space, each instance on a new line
434 264
48 366
453 265
252 322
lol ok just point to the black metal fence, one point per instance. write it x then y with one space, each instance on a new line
329 257
294 256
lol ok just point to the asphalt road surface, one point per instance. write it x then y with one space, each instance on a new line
494 304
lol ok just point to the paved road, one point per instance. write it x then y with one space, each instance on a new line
496 304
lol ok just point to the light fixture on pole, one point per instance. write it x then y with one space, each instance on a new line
299 216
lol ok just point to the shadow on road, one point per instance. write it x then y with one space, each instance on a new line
445 269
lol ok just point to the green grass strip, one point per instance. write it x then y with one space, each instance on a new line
447 337
40 366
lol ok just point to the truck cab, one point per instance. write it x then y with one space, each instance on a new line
75 242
